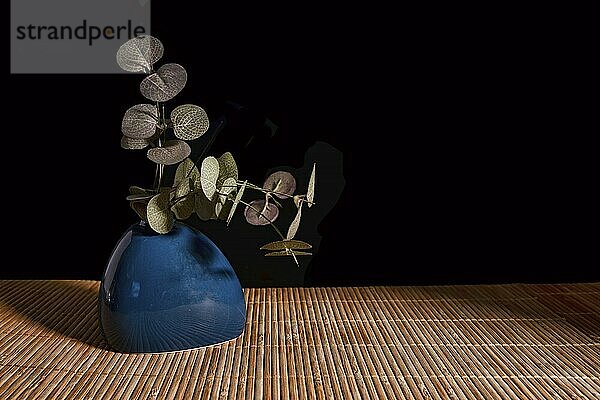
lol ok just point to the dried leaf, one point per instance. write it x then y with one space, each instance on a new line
138 54
281 182
295 224
227 168
297 201
257 214
160 216
138 190
286 244
140 209
165 83
189 121
185 207
133 144
310 195
287 253
218 208
172 152
223 211
187 169
228 187
205 208
238 197
139 121
209 173
183 188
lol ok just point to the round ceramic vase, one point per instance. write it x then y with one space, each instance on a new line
169 292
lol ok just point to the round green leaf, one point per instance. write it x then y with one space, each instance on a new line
165 83
228 187
187 169
139 121
172 152
133 144
227 168
209 173
189 121
205 208
222 206
185 207
160 216
139 54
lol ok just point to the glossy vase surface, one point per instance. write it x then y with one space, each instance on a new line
169 292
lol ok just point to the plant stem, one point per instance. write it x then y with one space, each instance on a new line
277 203
255 187
160 168
271 223
240 183
218 129
155 182
265 206
160 176
178 199
161 118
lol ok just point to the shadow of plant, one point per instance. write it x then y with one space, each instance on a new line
67 307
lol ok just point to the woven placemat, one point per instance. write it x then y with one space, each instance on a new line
446 342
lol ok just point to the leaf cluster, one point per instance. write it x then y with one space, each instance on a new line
212 191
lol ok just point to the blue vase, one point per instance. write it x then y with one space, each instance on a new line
169 292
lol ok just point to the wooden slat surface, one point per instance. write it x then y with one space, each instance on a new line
444 342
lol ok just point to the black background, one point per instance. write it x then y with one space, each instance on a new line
454 171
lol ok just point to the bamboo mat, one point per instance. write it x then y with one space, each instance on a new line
454 342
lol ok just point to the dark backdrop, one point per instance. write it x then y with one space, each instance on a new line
452 173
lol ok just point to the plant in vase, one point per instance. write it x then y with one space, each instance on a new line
167 286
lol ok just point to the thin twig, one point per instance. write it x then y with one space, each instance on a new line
178 199
277 203
160 167
155 182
